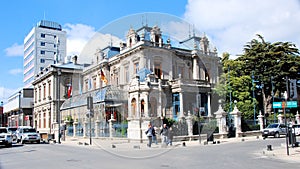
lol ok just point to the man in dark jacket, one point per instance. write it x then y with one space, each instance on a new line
164 132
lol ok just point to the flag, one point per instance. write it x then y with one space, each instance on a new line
70 91
102 76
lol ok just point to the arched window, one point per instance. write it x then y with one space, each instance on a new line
133 107
142 108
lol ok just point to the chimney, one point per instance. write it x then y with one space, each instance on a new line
74 60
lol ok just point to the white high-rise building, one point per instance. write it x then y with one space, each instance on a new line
44 45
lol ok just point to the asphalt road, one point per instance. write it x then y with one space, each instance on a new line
237 155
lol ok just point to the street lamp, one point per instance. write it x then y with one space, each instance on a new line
284 105
19 116
58 102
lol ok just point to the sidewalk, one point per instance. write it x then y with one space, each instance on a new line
120 144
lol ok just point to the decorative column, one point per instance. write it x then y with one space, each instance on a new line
111 129
280 118
208 106
261 121
97 127
181 104
298 118
85 128
189 121
75 124
237 121
221 120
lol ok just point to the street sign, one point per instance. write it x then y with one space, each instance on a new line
291 104
288 104
276 105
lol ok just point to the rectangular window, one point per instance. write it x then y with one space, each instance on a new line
42 52
49 89
43 35
126 74
42 60
157 69
136 67
43 43
41 68
44 92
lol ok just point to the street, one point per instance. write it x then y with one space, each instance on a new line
246 155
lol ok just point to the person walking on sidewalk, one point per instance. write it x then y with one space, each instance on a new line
170 136
149 132
154 138
164 132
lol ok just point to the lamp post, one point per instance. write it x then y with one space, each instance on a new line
58 103
253 95
286 128
19 116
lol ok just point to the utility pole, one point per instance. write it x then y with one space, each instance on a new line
253 97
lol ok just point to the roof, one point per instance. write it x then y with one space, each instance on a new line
110 95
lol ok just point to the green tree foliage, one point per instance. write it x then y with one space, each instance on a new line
268 63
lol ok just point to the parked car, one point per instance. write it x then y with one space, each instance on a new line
27 134
13 132
275 130
5 137
296 128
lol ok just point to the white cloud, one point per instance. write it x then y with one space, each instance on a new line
15 71
5 93
77 37
15 50
231 24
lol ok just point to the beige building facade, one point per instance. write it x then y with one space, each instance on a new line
144 80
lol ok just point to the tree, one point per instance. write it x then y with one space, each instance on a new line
270 62
233 85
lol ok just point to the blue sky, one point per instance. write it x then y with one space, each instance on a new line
227 24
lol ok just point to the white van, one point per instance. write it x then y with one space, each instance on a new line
27 134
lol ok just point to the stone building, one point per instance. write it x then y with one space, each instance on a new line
52 86
142 81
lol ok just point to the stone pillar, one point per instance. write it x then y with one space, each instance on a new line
195 66
111 129
261 121
221 119
208 106
85 128
189 121
97 128
181 104
298 118
237 121
280 118
75 124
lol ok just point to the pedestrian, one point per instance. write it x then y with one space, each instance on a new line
149 133
154 138
170 136
164 135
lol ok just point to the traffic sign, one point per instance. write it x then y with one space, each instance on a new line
288 104
276 105
291 104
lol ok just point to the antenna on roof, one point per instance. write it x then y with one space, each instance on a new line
111 41
44 15
189 30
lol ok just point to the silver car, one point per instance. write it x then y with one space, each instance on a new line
274 129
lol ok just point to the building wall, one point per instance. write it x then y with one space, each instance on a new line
40 50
